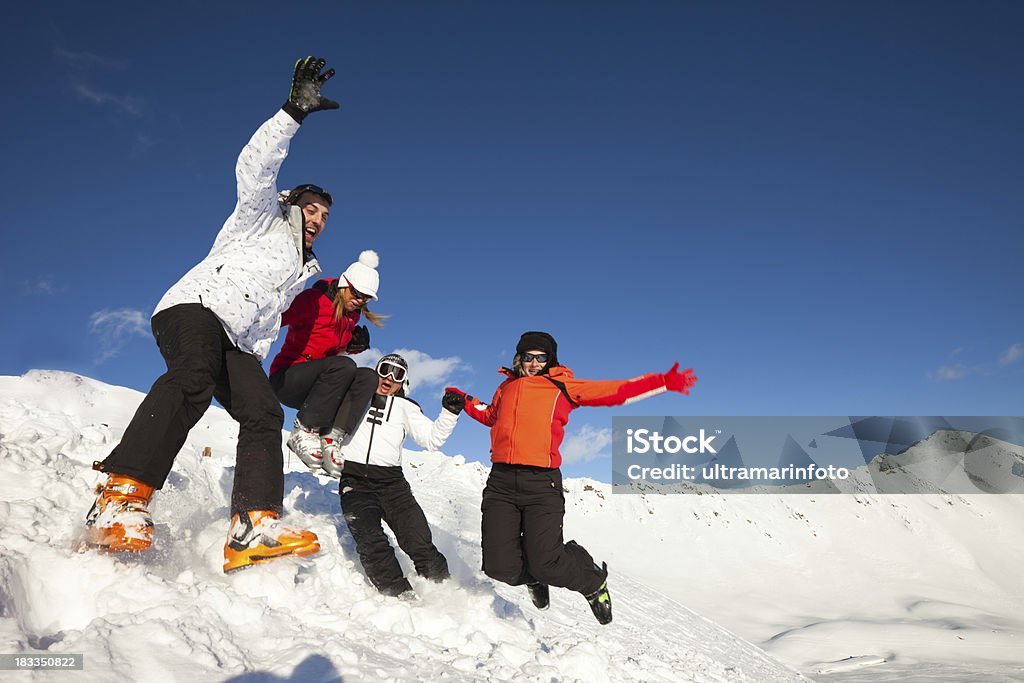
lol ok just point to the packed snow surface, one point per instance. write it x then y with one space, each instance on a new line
851 587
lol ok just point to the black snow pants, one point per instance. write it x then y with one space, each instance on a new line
202 364
371 494
521 533
327 392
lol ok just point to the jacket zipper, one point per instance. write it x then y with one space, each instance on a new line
373 430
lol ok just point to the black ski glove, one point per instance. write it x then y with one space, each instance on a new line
306 83
453 401
360 340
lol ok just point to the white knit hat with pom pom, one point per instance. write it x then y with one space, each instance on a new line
362 275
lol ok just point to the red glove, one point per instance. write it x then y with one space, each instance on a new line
460 392
680 381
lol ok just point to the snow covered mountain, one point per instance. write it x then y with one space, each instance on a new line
842 587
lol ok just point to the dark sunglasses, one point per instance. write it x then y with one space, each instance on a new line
396 372
356 294
539 357
297 192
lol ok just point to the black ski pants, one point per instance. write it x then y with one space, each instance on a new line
327 392
202 363
375 494
521 533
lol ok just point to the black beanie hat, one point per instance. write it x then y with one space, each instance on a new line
292 196
542 341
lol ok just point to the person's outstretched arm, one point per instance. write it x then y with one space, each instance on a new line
586 392
432 434
261 158
485 414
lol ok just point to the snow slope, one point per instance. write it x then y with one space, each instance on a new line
849 586
171 614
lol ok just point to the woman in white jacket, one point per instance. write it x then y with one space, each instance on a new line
374 489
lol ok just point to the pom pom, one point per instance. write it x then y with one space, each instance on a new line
369 258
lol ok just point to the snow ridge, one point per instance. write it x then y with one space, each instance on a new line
172 614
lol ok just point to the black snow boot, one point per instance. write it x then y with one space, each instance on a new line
601 601
540 594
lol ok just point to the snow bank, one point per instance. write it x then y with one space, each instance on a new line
172 614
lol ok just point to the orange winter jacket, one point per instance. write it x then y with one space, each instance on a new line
527 415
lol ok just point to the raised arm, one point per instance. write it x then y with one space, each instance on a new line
257 169
261 158
429 434
618 392
485 414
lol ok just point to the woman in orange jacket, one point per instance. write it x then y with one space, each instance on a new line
523 502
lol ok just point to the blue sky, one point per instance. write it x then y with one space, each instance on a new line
816 205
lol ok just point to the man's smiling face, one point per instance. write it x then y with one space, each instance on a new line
315 210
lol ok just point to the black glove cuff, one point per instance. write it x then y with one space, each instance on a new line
293 111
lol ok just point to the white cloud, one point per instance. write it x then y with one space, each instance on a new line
87 59
954 370
49 287
83 67
142 143
121 321
1011 355
45 286
424 369
117 327
586 444
949 372
126 103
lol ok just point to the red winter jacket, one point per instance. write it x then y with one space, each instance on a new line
527 415
312 330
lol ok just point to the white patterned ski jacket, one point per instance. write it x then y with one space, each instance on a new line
255 268
378 438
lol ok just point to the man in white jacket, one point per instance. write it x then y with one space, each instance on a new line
373 487
214 327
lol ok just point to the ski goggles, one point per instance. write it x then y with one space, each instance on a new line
393 370
309 187
539 357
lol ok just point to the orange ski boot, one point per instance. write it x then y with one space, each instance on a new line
258 536
119 520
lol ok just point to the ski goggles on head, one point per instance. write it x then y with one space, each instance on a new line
309 187
393 370
539 357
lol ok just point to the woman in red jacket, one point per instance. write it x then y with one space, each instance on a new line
311 374
523 503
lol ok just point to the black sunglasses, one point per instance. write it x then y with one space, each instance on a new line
356 294
309 187
539 357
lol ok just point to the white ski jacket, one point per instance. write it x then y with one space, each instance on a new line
255 268
378 438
